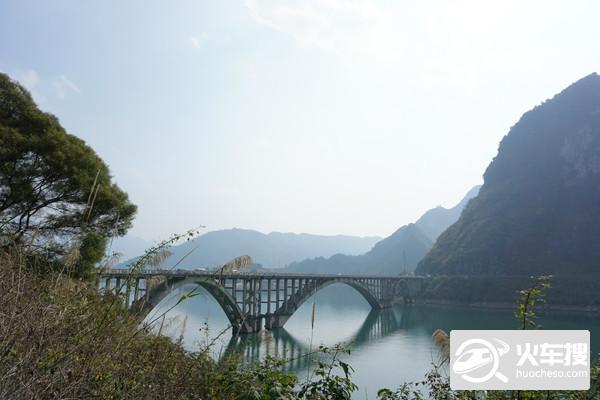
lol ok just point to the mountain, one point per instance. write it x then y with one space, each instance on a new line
437 220
538 211
273 250
397 253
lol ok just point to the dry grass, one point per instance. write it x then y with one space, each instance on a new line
60 340
442 340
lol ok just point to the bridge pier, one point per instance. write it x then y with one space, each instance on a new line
275 321
391 302
255 324
249 325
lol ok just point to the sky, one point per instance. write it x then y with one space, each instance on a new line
322 116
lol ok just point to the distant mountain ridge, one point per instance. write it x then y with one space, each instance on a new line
272 250
437 220
538 211
399 252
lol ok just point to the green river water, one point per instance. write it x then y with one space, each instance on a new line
388 346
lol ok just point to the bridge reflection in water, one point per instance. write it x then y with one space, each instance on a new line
279 343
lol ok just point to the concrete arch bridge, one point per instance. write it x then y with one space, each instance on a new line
254 300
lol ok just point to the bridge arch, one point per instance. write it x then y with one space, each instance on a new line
295 301
226 302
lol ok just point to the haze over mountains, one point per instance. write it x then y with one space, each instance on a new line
273 250
400 252
538 211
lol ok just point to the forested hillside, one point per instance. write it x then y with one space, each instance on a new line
538 211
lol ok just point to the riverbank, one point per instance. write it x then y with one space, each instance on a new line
566 294
547 309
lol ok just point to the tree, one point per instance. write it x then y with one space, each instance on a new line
56 195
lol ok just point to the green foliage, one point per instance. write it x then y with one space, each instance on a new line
329 385
267 380
91 250
56 194
435 387
530 297
263 380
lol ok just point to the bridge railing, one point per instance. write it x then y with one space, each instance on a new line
270 274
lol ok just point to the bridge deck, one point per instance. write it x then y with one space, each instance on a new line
271 275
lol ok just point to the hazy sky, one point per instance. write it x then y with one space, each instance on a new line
322 116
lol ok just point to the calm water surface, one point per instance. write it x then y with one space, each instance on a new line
388 346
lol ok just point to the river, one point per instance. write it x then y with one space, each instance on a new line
388 346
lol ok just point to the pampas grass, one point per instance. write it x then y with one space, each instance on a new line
442 340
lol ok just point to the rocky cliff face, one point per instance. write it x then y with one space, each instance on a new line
538 211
